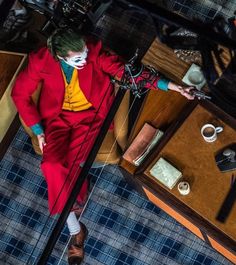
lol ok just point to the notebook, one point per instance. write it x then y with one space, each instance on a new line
166 173
142 144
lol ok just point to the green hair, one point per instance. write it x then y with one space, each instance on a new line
64 40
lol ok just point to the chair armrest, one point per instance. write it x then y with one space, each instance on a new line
121 122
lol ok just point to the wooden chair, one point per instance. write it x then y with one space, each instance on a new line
115 140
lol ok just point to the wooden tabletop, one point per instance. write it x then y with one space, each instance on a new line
195 158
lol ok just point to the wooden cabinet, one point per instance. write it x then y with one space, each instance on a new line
10 65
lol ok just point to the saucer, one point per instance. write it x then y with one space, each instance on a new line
194 77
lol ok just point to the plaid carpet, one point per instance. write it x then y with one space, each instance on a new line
204 10
124 228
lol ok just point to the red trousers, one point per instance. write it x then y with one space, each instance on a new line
69 138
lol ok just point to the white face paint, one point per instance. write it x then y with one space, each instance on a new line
76 60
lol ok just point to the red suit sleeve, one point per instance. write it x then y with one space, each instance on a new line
109 62
25 85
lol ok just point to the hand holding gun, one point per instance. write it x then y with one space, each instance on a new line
199 94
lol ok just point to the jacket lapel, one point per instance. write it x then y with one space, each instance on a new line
85 80
53 75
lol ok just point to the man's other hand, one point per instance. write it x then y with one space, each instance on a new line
41 140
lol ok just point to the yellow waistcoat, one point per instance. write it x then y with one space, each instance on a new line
74 99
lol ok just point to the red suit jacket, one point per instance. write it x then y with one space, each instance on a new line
93 78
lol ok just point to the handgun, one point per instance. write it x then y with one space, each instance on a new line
199 94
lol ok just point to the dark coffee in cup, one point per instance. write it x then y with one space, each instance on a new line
208 131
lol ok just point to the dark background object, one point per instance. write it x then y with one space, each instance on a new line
226 158
224 93
227 204
5 6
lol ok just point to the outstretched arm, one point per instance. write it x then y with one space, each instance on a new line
184 91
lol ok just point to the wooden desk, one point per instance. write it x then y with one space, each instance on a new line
10 65
183 146
187 150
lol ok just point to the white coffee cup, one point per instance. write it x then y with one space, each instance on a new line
184 188
209 132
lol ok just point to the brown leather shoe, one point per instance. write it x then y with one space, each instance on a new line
76 246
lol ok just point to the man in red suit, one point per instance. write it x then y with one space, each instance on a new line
75 98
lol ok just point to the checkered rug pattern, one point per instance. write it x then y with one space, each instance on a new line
204 10
124 228
25 225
